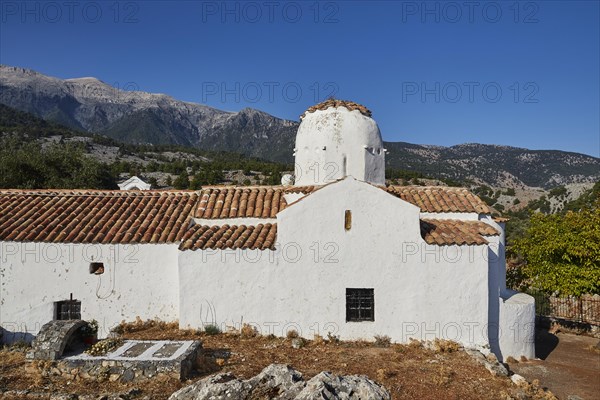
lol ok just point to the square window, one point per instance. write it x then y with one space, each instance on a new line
97 268
68 309
360 305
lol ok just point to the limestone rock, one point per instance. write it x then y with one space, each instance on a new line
277 379
282 382
518 380
328 386
217 387
491 363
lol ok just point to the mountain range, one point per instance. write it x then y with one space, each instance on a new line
90 105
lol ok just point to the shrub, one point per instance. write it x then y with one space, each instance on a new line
446 346
333 338
212 330
318 339
298 343
383 341
248 331
292 334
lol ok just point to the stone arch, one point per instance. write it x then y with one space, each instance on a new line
53 338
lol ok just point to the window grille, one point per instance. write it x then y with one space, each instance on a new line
360 305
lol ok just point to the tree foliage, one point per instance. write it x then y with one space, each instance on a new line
59 166
562 252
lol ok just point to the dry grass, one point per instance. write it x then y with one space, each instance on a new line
594 349
407 371
248 331
17 373
446 346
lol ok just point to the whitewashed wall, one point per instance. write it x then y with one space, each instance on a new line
139 280
337 142
517 325
421 291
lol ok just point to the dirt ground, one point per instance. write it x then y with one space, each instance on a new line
569 365
407 371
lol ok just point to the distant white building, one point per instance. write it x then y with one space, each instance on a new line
336 253
134 183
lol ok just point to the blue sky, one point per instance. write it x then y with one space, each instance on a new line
525 74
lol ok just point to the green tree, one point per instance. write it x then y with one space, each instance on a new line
562 252
60 166
182 181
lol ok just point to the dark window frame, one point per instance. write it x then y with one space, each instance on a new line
360 305
67 309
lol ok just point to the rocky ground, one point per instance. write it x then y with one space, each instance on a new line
409 371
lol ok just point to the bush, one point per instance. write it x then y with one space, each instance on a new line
383 341
333 338
212 330
318 339
248 331
292 334
446 346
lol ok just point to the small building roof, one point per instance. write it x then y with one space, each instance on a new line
235 202
261 237
134 183
441 199
452 231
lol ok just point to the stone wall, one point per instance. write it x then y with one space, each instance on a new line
124 370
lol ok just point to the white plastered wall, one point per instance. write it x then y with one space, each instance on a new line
511 328
139 280
337 142
421 291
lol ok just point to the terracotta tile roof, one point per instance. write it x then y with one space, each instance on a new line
350 105
451 231
204 237
437 199
245 202
267 201
94 216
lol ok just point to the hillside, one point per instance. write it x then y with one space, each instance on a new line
135 117
35 153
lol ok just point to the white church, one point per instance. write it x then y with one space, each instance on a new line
332 252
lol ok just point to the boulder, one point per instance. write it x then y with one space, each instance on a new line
281 382
277 380
353 387
219 386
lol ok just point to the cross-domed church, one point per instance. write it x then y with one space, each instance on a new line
332 250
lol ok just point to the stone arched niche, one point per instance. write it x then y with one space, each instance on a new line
54 338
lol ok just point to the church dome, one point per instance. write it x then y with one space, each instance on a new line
335 139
